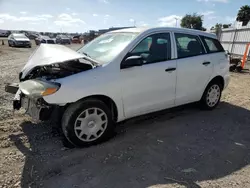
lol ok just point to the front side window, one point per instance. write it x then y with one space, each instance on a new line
188 45
212 45
107 46
154 48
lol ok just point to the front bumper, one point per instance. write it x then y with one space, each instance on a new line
65 41
38 109
22 44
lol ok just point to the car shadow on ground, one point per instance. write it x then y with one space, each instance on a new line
181 146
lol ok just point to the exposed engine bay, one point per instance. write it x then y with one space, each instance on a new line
57 70
39 78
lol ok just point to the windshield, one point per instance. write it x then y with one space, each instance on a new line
19 36
107 46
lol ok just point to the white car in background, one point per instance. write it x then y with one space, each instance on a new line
45 40
19 40
120 75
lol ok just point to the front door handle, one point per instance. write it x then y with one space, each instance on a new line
206 63
170 69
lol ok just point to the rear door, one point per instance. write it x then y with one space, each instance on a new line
194 68
216 53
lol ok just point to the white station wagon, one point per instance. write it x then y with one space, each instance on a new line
120 75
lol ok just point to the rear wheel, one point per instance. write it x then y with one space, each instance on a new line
87 123
211 96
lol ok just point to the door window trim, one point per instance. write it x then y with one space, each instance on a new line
199 40
144 37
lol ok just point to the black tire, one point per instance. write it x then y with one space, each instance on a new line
232 68
239 69
204 102
71 114
10 45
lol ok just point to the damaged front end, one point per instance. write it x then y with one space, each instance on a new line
39 78
29 95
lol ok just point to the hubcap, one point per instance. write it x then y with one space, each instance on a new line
91 124
213 95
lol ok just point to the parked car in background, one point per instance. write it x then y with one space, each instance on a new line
63 39
4 33
77 39
32 36
19 40
45 40
120 75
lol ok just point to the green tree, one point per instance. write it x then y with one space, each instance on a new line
193 21
244 15
219 25
218 28
224 26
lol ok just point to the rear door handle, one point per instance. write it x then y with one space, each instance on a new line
206 63
170 69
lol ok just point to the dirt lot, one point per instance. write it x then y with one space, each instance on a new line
184 147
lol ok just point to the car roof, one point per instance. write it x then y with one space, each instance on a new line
173 29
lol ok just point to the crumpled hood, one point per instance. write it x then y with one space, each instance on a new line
47 54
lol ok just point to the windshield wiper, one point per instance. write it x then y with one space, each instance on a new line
86 54
89 58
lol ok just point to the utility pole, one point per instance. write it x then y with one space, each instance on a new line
176 19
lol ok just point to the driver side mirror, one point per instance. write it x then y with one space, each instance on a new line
132 61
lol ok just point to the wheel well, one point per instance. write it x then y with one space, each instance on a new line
108 101
219 79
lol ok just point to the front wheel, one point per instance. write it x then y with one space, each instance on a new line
87 123
211 96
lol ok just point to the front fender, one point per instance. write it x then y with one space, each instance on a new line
87 84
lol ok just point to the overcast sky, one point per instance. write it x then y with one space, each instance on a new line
84 15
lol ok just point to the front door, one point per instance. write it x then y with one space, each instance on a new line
150 87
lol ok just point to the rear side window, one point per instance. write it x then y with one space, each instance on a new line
188 45
212 45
